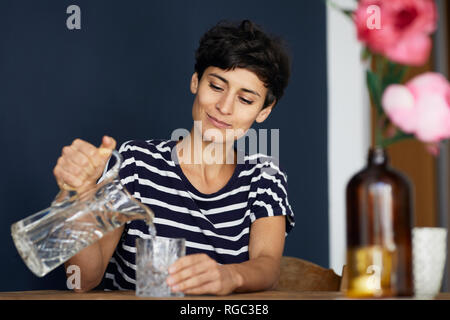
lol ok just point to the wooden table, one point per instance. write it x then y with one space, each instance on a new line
130 295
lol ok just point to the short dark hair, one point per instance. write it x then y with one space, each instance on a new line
244 45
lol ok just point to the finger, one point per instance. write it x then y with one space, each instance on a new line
84 147
187 261
67 178
106 148
97 158
189 272
193 282
67 165
108 143
66 187
212 287
72 155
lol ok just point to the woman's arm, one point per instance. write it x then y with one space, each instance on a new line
199 274
94 259
80 166
266 246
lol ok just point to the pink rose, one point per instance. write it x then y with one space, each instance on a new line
403 30
421 107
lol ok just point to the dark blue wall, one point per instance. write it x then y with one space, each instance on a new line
126 73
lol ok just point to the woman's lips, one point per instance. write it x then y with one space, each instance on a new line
218 123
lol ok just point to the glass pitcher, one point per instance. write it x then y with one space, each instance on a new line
48 238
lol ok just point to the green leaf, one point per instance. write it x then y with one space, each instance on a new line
398 137
395 74
348 13
374 86
366 54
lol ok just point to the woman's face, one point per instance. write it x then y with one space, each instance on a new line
227 103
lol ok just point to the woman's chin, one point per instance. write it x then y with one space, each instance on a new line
214 138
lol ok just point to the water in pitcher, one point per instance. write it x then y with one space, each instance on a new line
57 237
50 237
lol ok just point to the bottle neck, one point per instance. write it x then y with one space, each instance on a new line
377 157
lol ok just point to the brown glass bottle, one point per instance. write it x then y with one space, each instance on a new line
379 222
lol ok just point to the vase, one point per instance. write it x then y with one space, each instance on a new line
379 223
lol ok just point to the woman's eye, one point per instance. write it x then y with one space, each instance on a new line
246 101
216 88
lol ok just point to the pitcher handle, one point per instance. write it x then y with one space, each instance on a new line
114 171
109 175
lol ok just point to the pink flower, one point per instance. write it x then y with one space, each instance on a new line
421 107
397 29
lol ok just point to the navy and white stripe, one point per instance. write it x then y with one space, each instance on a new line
217 224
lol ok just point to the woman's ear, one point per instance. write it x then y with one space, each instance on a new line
194 83
264 113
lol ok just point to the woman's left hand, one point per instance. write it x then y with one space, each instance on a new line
199 274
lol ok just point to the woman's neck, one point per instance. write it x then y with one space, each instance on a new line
207 158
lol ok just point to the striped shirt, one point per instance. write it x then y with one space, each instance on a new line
216 224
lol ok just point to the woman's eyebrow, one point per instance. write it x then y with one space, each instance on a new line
251 91
226 81
219 77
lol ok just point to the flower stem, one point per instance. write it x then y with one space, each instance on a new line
398 137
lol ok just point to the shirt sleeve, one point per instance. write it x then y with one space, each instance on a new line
270 195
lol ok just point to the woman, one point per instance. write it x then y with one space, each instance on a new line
233 215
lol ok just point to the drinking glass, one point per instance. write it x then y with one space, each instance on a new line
154 255
429 253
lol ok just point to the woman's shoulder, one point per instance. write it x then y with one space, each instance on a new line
154 152
262 165
155 144
149 147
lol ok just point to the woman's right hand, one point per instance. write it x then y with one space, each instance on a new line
81 164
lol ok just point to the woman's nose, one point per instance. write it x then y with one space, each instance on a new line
225 105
